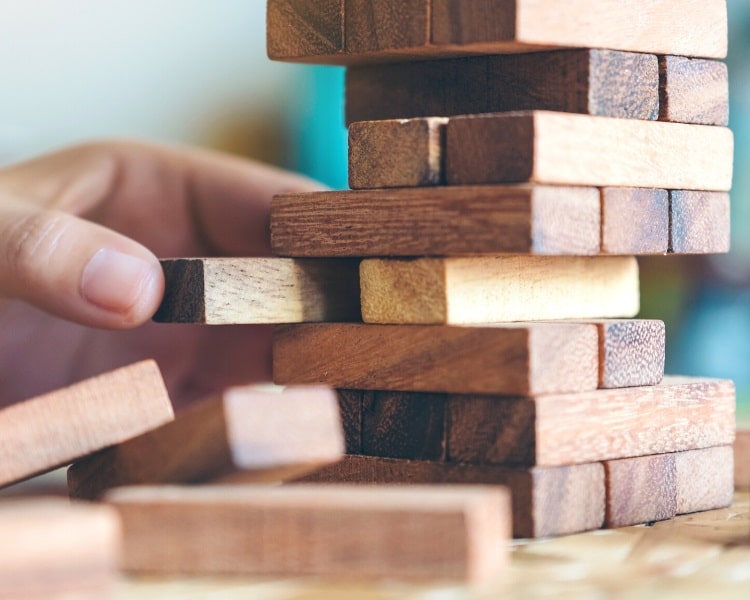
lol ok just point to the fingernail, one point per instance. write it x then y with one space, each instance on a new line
116 281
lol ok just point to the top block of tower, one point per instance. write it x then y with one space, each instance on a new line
350 32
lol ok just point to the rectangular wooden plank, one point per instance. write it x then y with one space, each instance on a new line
498 289
537 220
546 501
742 459
300 30
268 435
560 148
375 26
233 291
705 479
52 430
631 353
635 221
57 550
457 532
700 222
596 82
693 91
499 359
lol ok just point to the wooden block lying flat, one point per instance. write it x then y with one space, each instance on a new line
55 429
503 359
270 435
560 149
57 550
596 82
373 26
459 532
700 222
546 502
438 222
640 490
233 291
693 91
300 30
631 353
705 479
635 221
498 289
742 459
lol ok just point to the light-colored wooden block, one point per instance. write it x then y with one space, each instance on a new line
270 436
632 353
498 289
457 532
235 291
440 221
635 221
301 30
55 429
546 502
700 222
502 359
559 148
693 91
53 549
742 459
705 479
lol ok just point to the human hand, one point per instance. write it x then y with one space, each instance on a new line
80 233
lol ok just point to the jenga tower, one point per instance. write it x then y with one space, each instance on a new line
508 161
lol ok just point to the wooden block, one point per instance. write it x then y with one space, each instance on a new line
57 550
351 404
498 289
233 291
705 479
640 490
271 435
301 30
373 26
559 148
742 459
502 359
398 153
564 429
631 353
596 82
438 222
457 532
700 222
635 221
693 91
546 501
55 429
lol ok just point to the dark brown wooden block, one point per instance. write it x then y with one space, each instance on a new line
635 221
373 26
705 479
304 30
631 353
700 222
350 407
693 91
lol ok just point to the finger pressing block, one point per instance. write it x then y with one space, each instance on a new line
268 436
445 533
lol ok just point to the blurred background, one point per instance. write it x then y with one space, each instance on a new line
196 72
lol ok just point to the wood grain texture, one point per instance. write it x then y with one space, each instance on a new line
742 459
640 490
502 359
351 404
459 532
373 26
560 148
632 353
705 479
635 221
57 550
233 291
299 30
396 153
497 289
596 82
546 501
562 429
700 222
55 429
538 220
693 91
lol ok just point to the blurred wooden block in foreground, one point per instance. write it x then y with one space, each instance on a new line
742 459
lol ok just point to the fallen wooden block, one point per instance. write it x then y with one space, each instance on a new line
233 291
502 359
596 82
452 532
57 550
635 221
443 221
742 459
546 501
700 222
498 289
705 479
268 436
560 149
301 30
693 91
55 429
631 353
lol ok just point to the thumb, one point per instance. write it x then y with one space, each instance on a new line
76 269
